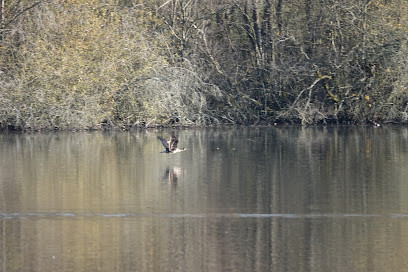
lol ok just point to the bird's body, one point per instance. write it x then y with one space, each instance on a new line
171 145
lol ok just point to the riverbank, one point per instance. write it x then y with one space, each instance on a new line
142 126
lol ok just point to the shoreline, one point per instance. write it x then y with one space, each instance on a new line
187 127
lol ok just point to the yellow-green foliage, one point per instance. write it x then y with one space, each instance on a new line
86 63
73 57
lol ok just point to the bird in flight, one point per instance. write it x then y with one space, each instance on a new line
171 145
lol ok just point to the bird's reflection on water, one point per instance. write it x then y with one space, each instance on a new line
171 175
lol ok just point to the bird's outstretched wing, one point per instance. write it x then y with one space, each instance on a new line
164 143
173 143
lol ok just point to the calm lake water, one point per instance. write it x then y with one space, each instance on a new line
241 199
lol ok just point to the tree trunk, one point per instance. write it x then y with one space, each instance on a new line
2 10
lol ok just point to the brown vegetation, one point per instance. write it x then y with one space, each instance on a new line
78 64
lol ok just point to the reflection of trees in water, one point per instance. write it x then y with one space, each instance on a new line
279 170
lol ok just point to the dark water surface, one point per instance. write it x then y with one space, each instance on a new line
243 199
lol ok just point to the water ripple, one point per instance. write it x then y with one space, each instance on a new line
39 215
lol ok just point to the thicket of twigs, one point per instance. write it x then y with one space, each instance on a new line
89 64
